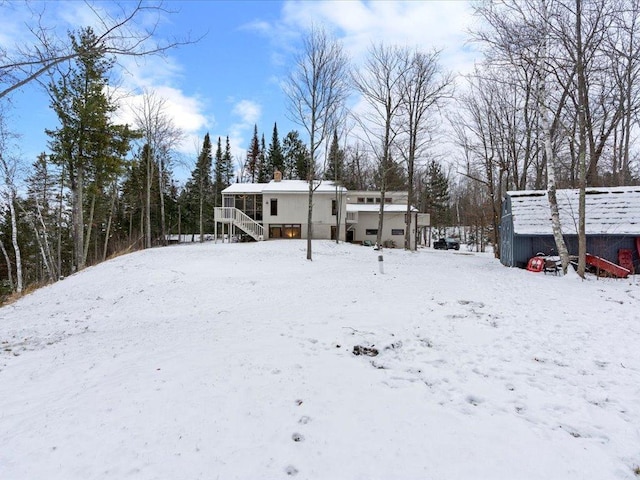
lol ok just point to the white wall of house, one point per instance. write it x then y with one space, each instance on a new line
293 209
393 228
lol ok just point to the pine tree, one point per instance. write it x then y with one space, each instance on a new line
87 144
435 197
275 155
218 184
198 194
263 167
335 161
227 165
253 157
296 157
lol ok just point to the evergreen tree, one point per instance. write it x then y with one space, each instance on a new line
296 157
335 161
253 157
218 184
227 165
275 155
198 195
435 196
263 168
87 144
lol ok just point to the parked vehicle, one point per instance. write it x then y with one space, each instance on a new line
446 244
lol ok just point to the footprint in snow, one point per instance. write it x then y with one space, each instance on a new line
291 470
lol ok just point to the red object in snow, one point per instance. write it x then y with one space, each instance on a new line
607 266
536 264
625 259
638 245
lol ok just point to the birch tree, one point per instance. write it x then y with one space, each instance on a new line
8 171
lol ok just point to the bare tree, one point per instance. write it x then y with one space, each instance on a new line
317 89
423 90
161 136
126 29
476 128
8 171
379 82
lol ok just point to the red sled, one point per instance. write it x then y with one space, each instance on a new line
603 265
536 264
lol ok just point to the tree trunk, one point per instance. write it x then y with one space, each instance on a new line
8 261
582 146
310 220
48 254
77 188
14 239
108 232
551 180
407 218
201 218
89 229
163 226
147 233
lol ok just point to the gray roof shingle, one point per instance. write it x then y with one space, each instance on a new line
609 211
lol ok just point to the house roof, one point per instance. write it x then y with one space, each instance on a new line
609 211
284 186
244 188
388 207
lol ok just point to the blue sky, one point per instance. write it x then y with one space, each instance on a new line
230 79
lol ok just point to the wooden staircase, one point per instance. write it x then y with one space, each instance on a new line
238 218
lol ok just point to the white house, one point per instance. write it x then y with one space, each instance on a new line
279 209
363 211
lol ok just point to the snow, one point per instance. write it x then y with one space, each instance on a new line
283 186
234 361
608 211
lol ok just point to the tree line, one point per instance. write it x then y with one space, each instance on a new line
553 103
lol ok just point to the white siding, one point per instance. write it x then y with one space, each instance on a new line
293 209
392 221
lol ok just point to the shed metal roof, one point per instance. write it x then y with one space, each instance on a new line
609 211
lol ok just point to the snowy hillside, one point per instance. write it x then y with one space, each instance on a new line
235 361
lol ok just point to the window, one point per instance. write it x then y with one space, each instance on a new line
334 207
275 231
370 200
387 199
360 199
397 231
378 200
274 207
371 231
292 231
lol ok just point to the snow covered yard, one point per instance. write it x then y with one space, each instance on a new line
235 361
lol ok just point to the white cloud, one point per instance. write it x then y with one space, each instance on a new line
248 111
159 75
435 24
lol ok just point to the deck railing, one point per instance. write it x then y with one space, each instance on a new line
240 220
